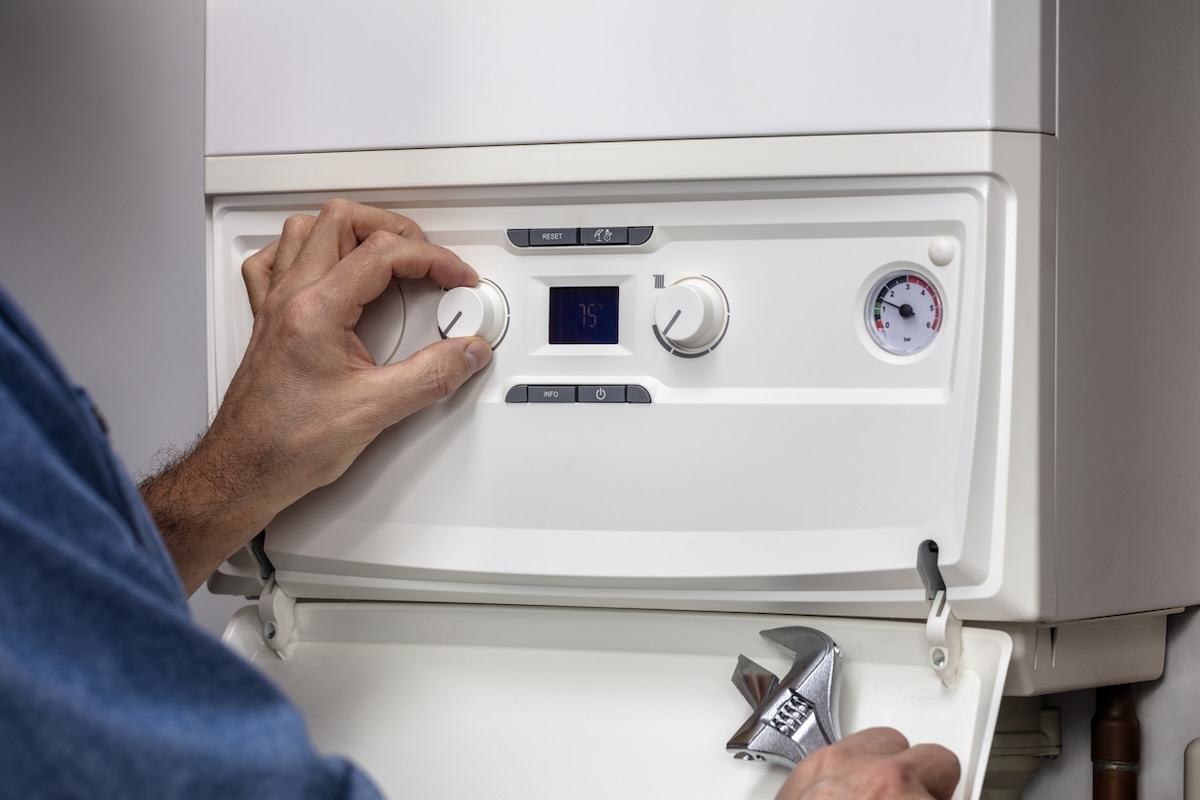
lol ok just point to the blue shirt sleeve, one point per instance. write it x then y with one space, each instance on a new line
107 687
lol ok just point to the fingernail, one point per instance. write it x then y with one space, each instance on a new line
478 355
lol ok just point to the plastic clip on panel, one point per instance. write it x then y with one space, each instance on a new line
943 630
278 614
798 715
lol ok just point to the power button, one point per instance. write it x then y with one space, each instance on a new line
602 394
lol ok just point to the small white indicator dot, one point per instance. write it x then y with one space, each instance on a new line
941 251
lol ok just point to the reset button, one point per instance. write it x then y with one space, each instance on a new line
553 237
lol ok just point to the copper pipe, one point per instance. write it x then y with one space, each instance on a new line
1116 744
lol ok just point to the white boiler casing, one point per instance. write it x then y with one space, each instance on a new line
786 169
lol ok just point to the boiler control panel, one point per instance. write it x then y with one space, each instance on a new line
706 393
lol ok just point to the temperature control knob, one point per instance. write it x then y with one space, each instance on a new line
480 310
690 316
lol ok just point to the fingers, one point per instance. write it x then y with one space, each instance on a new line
846 756
264 269
934 767
341 226
256 274
876 742
296 229
363 274
365 246
428 376
875 764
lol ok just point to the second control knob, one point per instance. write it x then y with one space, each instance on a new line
480 310
690 316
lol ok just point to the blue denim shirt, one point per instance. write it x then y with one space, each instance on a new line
107 688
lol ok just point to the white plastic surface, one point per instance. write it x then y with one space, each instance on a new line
315 75
540 704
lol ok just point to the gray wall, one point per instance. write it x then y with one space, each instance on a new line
102 242
102 208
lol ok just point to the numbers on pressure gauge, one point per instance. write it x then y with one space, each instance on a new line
904 312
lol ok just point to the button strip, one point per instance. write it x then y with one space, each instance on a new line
587 393
588 237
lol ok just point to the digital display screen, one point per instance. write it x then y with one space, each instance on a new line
583 314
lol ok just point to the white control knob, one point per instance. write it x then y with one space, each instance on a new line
479 310
691 315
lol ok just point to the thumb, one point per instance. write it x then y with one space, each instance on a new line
431 374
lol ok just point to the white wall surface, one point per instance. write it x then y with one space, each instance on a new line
102 242
102 208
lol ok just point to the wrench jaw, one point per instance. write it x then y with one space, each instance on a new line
756 683
795 716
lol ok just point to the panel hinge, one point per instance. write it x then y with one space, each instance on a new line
278 614
943 630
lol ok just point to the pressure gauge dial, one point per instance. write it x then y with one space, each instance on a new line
904 313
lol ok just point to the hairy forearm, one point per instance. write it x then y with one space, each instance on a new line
206 508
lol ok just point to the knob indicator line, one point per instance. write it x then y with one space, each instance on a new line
671 324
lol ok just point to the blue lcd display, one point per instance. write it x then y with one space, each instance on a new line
583 314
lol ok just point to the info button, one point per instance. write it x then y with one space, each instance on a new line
552 394
602 394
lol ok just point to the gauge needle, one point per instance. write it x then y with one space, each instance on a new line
906 310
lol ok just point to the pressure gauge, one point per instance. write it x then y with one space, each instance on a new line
904 312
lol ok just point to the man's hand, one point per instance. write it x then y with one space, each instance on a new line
875 764
307 398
